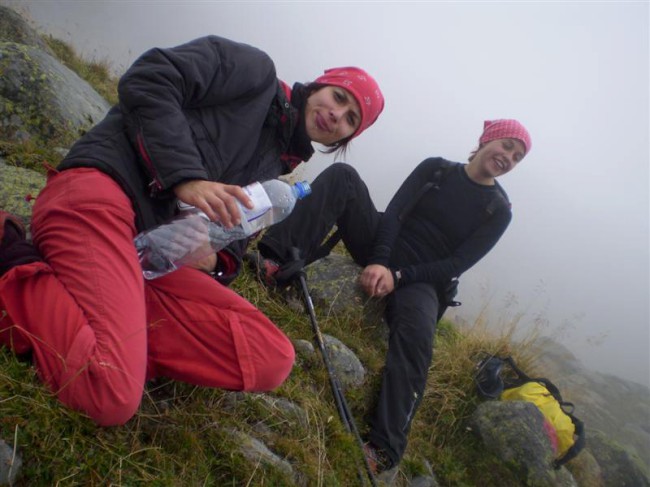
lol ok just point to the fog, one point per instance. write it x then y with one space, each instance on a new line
575 258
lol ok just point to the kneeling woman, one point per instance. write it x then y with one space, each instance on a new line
194 123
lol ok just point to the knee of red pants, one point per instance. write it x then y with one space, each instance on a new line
275 366
108 402
102 383
11 335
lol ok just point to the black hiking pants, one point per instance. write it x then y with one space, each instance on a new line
339 197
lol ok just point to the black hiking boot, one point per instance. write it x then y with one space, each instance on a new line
15 250
378 461
265 269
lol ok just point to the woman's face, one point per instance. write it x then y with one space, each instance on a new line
500 156
331 114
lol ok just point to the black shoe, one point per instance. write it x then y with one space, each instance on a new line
265 269
15 250
377 459
272 273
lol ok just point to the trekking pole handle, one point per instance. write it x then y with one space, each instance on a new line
295 254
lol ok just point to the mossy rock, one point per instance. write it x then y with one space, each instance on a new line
333 283
619 466
42 100
14 28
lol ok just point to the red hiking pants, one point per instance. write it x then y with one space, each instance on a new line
98 330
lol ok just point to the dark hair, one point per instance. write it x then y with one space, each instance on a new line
341 146
474 152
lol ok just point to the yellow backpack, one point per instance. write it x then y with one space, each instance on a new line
567 429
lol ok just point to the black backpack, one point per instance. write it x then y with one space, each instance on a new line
500 378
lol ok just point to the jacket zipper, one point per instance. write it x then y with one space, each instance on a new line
155 184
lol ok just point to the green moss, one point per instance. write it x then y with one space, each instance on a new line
31 154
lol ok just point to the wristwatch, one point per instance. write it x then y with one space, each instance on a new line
397 276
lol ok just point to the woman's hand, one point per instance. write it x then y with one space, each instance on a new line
207 264
217 200
377 280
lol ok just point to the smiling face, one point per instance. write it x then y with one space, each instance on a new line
497 158
331 114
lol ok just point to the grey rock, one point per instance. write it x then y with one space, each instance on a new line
424 481
388 477
428 480
617 407
232 399
585 470
304 347
14 28
333 286
10 464
333 283
347 367
514 431
255 452
619 467
41 98
287 411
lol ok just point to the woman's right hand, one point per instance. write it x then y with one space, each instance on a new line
217 200
377 280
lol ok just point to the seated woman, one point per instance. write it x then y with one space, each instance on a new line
443 219
194 123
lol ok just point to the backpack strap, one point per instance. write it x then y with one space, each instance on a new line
568 408
499 199
577 446
522 377
438 176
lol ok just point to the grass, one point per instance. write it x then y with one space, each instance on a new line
183 435
96 72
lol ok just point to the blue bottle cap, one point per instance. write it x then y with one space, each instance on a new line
302 189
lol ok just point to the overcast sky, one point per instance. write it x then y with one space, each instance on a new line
576 74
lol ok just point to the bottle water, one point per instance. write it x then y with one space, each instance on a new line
191 236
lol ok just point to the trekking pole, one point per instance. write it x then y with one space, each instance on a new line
337 391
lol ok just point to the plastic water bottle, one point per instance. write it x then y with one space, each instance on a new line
191 236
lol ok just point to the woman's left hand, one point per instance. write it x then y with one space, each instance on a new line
377 280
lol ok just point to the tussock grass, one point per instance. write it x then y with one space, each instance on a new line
96 72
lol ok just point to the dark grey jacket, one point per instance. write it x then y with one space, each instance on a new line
210 109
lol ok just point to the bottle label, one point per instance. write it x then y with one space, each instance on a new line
183 206
261 202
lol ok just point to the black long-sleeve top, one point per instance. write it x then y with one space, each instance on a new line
447 230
